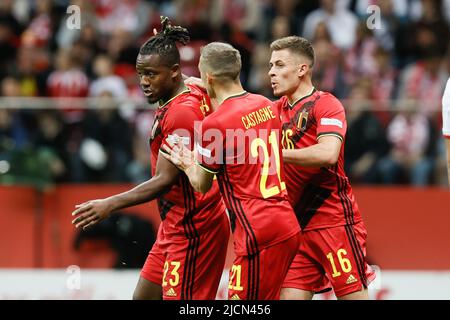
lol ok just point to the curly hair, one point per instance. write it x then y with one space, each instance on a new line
164 42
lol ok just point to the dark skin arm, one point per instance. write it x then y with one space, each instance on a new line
200 179
93 211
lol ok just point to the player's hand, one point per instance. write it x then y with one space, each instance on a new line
178 154
195 81
91 212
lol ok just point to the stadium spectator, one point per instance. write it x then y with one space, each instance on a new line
258 78
106 80
39 32
329 72
10 30
138 170
360 58
12 132
33 33
424 82
424 31
337 18
68 81
409 162
383 77
105 125
121 46
383 82
364 128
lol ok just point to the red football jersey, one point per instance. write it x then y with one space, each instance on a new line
321 197
240 142
183 211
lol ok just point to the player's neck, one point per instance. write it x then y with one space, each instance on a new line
180 88
303 90
224 92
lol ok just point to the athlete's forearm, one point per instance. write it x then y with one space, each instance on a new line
144 192
197 179
317 155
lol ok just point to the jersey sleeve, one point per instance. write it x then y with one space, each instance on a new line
209 145
330 117
446 111
181 121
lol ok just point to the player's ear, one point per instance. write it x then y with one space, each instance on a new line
175 70
209 78
302 70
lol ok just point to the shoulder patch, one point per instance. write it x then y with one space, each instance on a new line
331 122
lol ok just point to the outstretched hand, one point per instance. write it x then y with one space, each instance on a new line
178 154
91 212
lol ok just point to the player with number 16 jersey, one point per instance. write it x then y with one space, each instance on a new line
332 250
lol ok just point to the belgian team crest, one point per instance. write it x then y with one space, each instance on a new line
302 120
155 126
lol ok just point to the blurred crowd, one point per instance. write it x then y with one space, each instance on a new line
387 63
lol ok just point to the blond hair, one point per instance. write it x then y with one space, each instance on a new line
221 60
296 45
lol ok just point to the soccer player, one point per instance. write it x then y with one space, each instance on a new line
446 124
332 247
187 259
245 155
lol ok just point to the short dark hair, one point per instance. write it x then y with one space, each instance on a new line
296 45
164 42
222 60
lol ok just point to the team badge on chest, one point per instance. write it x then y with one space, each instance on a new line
154 129
302 120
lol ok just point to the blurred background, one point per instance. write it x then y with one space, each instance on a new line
74 126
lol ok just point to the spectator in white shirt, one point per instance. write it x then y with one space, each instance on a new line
341 22
106 79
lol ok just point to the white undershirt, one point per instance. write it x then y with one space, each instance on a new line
446 110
